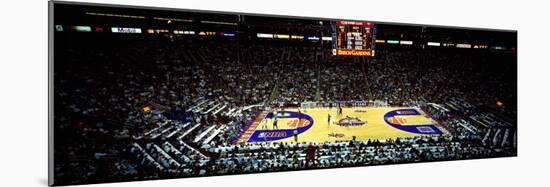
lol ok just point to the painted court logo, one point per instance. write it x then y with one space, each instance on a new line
350 121
297 123
336 135
406 112
393 119
274 134
397 120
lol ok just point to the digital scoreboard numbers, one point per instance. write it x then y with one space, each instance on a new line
352 38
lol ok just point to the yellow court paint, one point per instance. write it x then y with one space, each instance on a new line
323 131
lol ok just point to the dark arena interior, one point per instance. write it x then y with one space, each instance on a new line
173 99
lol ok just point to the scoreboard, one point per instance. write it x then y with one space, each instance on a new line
352 38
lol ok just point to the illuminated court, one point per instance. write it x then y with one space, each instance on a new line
363 123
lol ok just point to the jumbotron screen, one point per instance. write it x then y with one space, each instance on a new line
353 38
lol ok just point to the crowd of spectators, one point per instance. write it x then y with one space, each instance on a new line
197 89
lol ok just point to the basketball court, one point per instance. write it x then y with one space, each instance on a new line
361 123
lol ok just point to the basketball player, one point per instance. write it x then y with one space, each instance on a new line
264 123
328 119
295 131
275 124
274 114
